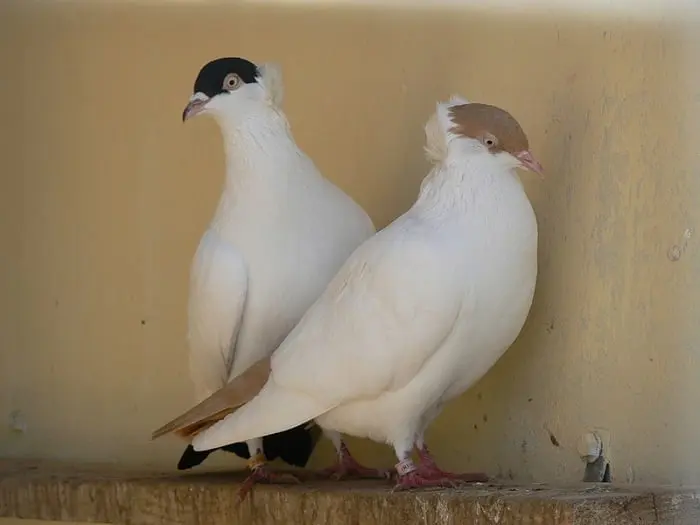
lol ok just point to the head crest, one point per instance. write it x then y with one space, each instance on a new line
271 80
437 129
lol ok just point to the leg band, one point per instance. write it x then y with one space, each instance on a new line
257 461
405 467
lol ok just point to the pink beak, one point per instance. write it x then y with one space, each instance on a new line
195 106
529 162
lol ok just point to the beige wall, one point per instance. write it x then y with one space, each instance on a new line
105 193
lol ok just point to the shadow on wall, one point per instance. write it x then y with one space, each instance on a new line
106 193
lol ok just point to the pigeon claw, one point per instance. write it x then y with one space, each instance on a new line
429 469
416 480
261 474
349 468
465 477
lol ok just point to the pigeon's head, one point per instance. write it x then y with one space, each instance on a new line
489 130
231 88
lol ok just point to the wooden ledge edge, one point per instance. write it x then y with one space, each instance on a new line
55 491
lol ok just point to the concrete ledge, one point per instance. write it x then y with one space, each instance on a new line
85 493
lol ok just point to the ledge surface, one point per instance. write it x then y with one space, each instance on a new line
93 493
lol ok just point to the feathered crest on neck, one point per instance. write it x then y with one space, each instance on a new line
437 130
271 81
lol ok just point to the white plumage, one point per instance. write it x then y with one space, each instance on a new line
420 311
279 234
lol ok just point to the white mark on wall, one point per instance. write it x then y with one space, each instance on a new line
590 447
676 251
16 422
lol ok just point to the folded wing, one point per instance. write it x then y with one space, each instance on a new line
384 314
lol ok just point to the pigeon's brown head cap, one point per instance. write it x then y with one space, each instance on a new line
495 128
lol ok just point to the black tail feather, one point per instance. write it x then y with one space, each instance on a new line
293 446
191 458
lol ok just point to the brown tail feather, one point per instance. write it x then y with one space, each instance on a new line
221 403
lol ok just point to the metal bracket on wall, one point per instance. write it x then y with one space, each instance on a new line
598 471
593 454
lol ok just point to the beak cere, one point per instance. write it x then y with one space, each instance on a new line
195 106
529 162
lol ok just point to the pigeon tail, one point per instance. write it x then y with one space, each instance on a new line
237 392
293 446
273 410
191 458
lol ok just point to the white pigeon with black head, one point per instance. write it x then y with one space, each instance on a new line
279 233
420 311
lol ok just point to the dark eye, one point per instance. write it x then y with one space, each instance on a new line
489 140
231 82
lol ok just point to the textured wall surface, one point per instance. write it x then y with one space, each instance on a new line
105 194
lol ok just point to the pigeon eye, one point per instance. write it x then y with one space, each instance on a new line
231 82
489 140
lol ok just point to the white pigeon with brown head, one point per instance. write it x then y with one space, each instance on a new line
279 234
419 312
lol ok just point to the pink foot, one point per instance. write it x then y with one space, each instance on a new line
428 469
346 467
415 480
260 474
410 477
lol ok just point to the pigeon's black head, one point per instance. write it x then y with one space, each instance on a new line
220 75
223 85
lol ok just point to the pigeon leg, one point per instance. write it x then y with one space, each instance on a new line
415 480
346 466
429 469
411 477
259 473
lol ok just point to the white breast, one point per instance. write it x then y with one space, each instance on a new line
495 267
291 229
